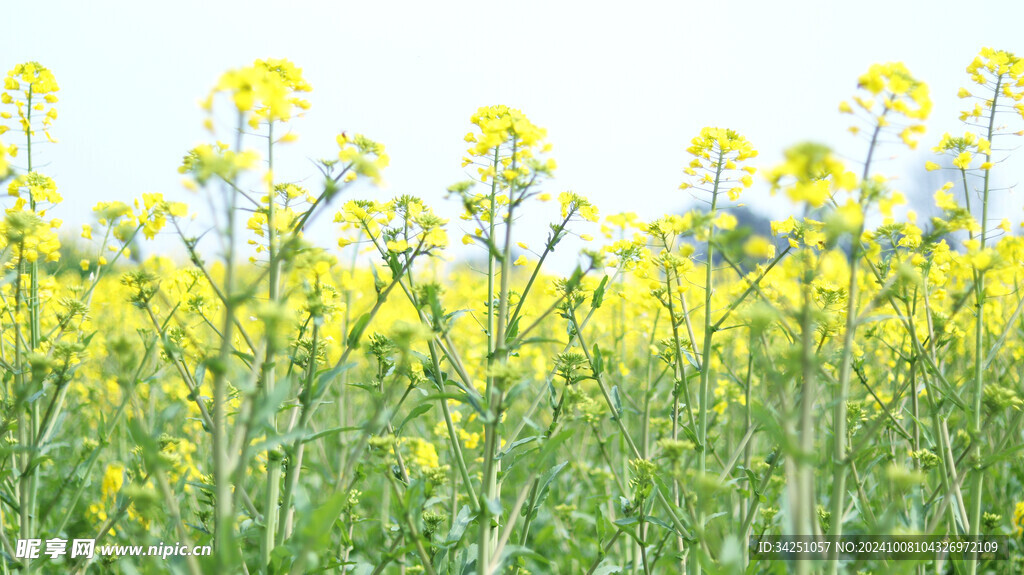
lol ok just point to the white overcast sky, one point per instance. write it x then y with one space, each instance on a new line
621 87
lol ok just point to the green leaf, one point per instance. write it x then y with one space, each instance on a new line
690 435
545 484
659 522
149 448
689 358
552 444
394 265
751 478
608 569
281 559
512 331
598 298
494 506
326 377
357 330
532 340
511 551
516 444
316 526
462 521
267 405
326 432
200 374
416 412
414 496
9 500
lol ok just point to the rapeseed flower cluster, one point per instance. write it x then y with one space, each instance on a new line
31 88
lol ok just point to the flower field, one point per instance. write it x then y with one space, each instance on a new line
377 405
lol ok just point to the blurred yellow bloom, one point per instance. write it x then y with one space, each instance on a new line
113 480
962 161
759 247
944 200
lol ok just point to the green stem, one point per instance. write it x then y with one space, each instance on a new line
845 364
269 375
298 449
978 477
705 362
453 437
223 514
497 351
29 481
802 489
